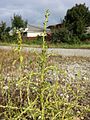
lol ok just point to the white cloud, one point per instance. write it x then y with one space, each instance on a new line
33 10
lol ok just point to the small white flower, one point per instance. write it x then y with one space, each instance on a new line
85 78
5 87
78 112
63 79
39 117
16 85
82 118
67 96
61 94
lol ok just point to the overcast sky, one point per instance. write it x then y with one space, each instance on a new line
33 10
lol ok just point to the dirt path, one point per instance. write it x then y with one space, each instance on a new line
58 51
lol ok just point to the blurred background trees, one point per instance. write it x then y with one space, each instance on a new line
18 22
75 23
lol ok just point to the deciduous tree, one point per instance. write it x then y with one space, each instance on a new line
77 18
17 22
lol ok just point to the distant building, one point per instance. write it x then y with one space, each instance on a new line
32 31
52 29
55 27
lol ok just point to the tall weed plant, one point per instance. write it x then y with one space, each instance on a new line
40 93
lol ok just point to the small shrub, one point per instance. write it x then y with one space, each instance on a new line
85 37
64 36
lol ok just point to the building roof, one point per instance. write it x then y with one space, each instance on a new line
31 28
55 26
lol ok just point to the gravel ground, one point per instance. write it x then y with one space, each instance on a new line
71 68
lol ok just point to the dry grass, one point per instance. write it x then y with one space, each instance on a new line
17 80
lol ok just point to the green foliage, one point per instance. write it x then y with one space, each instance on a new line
63 35
85 37
35 41
88 19
18 22
77 18
4 32
74 25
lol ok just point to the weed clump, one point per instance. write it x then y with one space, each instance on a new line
39 93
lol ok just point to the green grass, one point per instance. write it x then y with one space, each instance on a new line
26 43
68 46
38 44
